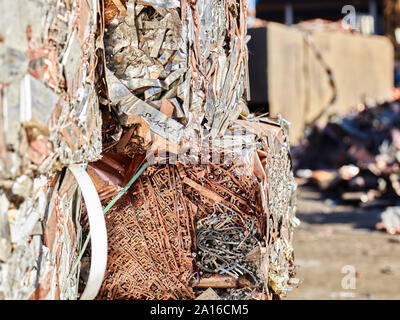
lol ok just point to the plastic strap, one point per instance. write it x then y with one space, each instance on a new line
97 229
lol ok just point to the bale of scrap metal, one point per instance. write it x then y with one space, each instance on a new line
225 223
48 120
215 207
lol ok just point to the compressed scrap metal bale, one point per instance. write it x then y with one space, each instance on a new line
48 120
173 83
184 227
171 76
39 239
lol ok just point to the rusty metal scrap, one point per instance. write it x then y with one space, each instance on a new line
222 282
359 158
142 106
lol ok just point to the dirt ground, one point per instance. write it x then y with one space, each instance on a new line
335 242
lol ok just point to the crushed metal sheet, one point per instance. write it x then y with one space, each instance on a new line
193 56
49 118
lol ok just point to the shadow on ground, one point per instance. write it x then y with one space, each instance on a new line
332 237
358 219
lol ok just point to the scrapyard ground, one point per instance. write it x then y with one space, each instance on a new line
331 237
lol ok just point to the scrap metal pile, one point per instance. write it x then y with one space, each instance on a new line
356 157
116 86
48 120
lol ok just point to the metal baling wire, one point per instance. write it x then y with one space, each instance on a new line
108 207
216 254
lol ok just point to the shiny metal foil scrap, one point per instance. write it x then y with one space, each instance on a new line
49 119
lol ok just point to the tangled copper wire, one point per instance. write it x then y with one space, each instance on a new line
150 241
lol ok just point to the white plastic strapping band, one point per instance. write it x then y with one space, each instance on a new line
97 229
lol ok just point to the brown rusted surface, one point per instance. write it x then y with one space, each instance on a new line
112 8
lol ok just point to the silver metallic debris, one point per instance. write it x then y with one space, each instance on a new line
49 119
